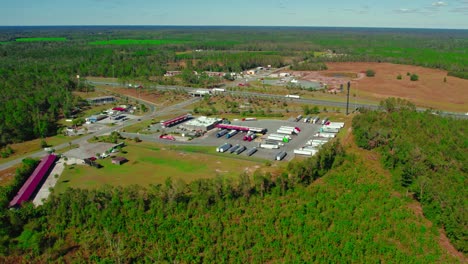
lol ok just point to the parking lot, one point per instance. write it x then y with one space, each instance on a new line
106 122
297 141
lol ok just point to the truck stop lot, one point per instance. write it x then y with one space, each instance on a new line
297 141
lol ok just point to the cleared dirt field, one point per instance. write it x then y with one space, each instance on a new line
429 91
160 98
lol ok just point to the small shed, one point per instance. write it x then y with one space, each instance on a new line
119 160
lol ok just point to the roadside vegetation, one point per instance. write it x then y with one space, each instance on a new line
427 155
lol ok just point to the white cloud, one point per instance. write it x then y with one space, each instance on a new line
406 10
439 3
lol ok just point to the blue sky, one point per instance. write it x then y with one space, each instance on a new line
357 13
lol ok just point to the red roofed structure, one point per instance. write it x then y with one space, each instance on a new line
175 121
32 183
242 128
120 109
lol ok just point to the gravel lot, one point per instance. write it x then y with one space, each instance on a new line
87 150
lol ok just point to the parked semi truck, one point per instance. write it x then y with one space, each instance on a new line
231 133
269 146
222 133
233 149
251 151
224 147
324 121
280 155
315 120
240 150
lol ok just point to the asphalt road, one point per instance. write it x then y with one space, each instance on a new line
148 116
280 97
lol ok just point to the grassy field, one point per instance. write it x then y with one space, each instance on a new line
40 39
136 42
28 147
153 164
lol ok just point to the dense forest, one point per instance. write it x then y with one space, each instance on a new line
39 65
428 156
349 216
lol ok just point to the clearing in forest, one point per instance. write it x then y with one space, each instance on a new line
429 91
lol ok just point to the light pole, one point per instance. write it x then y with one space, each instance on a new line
113 81
347 99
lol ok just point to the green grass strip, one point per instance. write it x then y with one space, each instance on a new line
136 42
40 39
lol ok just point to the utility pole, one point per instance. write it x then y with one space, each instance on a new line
347 99
113 75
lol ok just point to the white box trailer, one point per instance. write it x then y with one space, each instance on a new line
274 142
218 90
293 129
336 124
326 135
281 139
285 132
281 135
315 120
327 129
316 144
306 152
280 155
269 146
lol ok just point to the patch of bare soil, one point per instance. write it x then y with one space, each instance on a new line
444 242
6 176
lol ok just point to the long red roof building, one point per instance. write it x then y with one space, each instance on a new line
31 184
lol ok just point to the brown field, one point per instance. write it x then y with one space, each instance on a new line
7 175
156 97
429 91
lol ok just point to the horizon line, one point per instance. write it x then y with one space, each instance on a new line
264 26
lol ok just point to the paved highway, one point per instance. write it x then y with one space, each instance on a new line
280 97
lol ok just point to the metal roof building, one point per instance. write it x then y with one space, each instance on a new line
202 123
33 182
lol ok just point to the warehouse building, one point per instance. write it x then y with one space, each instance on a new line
31 185
95 118
202 123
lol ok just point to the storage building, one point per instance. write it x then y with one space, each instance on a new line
202 123
119 160
34 181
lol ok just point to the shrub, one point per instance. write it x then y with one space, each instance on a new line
399 77
370 73
414 77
